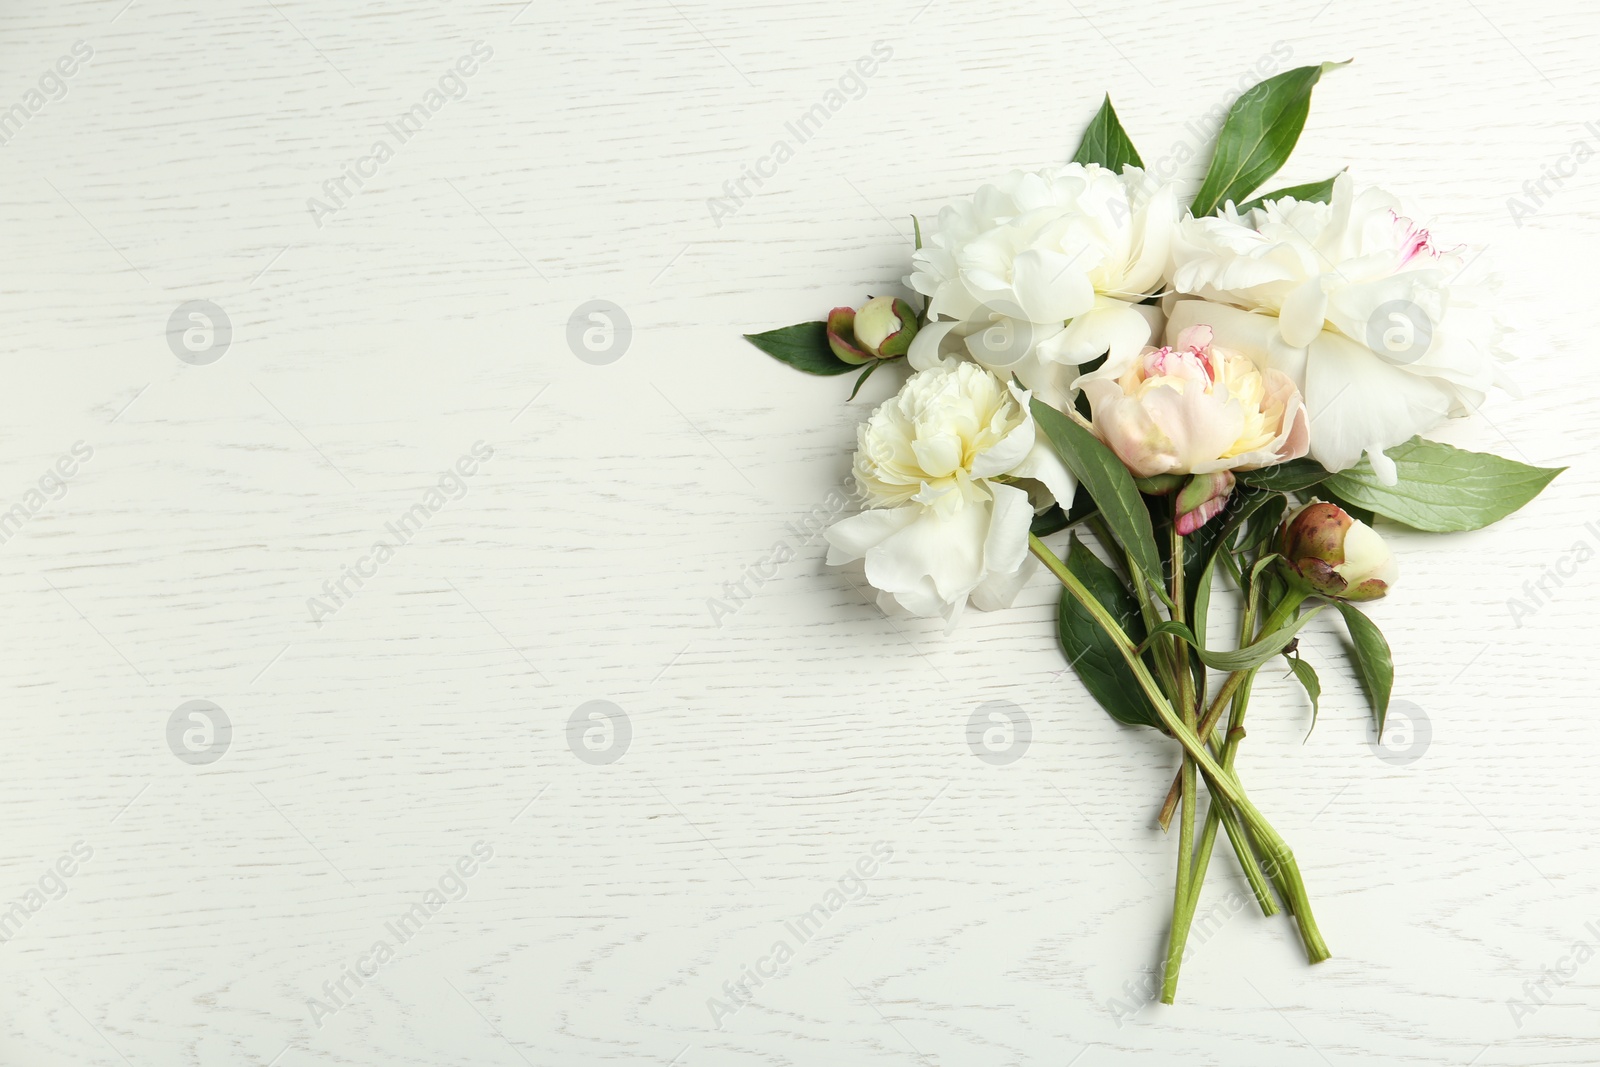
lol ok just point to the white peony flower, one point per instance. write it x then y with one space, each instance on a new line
1043 270
1350 300
1194 408
946 467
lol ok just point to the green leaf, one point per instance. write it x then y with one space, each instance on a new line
1105 142
1102 475
1259 133
1051 520
1374 662
1310 193
1290 477
1443 489
803 346
1090 652
916 228
1252 655
874 365
1245 503
1308 678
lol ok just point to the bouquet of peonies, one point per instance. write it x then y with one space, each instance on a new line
1219 396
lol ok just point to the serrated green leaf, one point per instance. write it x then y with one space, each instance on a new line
803 346
1310 193
1290 477
1105 142
1443 489
1259 133
1090 652
1373 660
1313 686
1101 474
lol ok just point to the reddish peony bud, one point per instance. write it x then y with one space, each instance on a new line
1328 553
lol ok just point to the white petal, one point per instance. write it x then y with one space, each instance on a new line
1359 402
1303 313
926 347
1113 326
850 539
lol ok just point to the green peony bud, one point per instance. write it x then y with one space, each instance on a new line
882 329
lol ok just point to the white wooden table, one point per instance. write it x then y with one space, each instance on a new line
226 882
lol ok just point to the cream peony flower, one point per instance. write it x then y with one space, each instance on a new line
946 468
1043 271
1193 408
1351 301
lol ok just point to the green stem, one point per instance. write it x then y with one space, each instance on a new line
1279 617
1186 894
1221 782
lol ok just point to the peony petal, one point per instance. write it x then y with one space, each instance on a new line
927 347
852 538
1303 313
1113 326
1049 287
1359 402
1251 334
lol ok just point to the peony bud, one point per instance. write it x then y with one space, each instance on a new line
1202 499
1327 552
882 329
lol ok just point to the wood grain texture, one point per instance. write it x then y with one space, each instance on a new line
772 751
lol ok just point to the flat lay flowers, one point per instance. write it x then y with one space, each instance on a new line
1158 399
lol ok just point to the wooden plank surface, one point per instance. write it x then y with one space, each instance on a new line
1012 913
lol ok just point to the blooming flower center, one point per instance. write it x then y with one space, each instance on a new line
1414 240
928 445
1232 380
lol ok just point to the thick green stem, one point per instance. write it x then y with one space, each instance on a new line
1221 782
